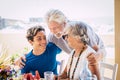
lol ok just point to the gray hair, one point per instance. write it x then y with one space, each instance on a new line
55 15
78 29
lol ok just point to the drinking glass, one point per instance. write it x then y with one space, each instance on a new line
48 75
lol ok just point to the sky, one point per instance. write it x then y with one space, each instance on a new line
74 9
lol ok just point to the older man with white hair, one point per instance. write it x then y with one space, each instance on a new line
57 21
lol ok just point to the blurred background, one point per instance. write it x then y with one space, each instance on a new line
16 16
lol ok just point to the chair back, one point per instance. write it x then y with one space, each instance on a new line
107 66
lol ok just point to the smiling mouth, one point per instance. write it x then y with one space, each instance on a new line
58 35
43 45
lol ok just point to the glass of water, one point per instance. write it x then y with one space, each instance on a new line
48 75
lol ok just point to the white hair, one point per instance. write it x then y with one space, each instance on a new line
55 15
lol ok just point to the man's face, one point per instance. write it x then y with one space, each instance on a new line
56 28
39 40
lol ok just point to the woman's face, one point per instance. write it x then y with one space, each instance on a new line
39 40
73 41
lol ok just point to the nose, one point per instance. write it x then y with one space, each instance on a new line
54 31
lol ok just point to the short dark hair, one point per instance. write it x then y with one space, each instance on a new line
31 32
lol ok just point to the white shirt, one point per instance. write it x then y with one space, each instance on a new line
82 63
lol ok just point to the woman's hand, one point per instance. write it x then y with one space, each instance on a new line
20 61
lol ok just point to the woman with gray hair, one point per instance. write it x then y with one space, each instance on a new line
82 56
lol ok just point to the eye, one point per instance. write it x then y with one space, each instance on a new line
65 36
39 39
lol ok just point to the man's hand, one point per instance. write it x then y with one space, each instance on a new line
20 61
93 64
92 59
95 47
99 53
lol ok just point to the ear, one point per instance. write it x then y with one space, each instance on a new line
64 24
30 41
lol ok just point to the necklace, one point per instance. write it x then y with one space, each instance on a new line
75 64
